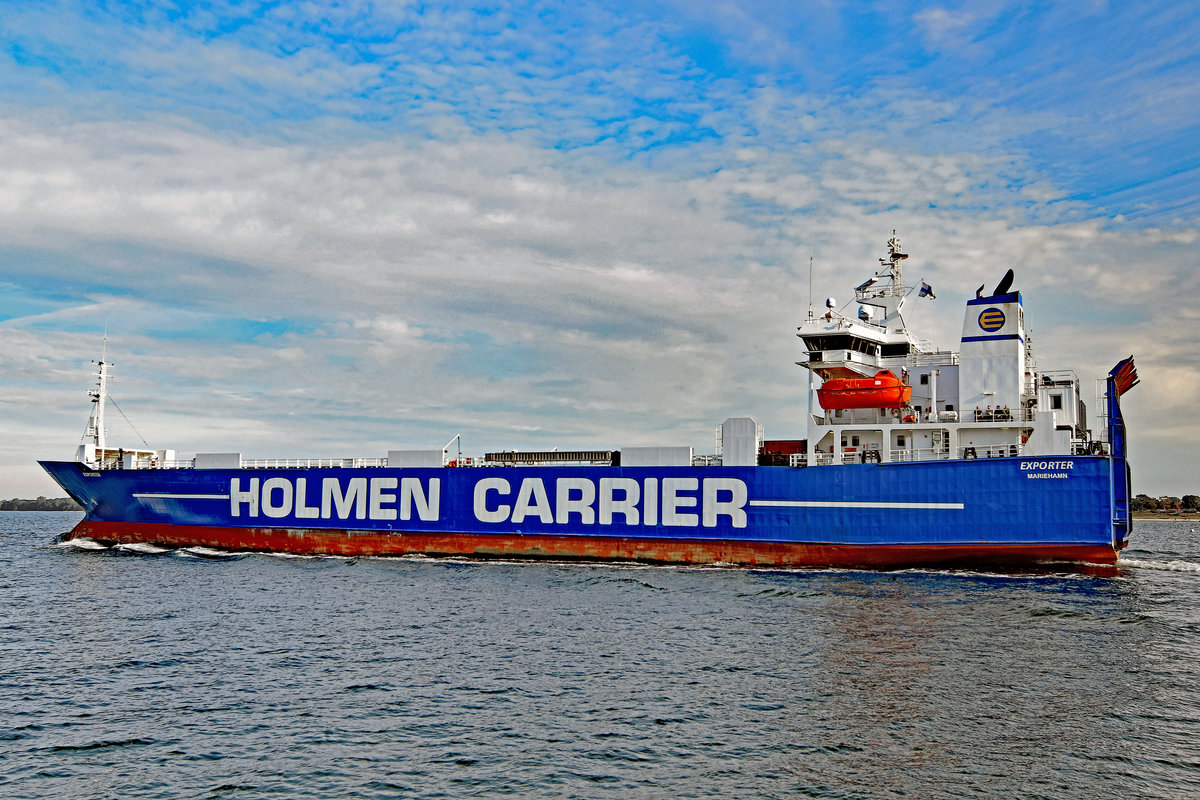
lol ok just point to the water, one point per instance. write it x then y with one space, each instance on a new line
142 673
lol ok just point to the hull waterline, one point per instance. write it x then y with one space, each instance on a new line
577 548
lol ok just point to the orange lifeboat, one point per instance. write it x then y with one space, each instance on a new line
885 390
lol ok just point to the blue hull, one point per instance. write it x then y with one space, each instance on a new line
1007 510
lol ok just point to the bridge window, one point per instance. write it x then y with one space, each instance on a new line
842 341
828 342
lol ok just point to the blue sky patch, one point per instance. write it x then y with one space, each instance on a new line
412 213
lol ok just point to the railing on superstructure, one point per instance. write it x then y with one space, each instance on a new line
1102 429
1079 447
924 355
1059 377
874 416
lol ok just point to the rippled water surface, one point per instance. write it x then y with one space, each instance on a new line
143 673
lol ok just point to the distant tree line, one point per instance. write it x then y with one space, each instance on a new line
40 504
1144 502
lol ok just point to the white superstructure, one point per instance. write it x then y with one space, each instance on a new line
986 399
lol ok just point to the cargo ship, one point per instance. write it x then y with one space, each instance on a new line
912 456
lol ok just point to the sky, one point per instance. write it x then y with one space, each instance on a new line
333 229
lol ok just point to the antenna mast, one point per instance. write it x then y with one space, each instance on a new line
95 435
810 271
811 252
892 263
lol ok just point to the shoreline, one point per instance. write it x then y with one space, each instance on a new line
1142 516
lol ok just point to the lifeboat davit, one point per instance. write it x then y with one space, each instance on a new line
885 390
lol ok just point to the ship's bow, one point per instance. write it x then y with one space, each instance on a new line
69 475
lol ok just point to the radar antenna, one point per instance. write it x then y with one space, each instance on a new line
895 255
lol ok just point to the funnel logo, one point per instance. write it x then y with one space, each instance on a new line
991 320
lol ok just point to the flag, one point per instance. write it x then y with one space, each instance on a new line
1124 376
927 291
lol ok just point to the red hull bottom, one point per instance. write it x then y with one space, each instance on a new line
589 548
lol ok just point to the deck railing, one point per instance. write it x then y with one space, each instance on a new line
261 463
997 418
303 463
848 456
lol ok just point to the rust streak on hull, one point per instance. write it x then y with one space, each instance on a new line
591 548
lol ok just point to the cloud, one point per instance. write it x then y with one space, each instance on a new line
943 27
323 228
404 255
